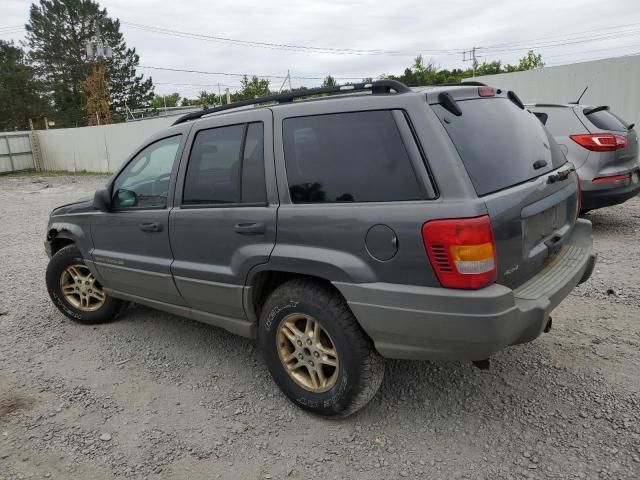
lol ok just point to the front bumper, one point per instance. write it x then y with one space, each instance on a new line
415 322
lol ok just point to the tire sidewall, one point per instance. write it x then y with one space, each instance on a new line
57 265
334 400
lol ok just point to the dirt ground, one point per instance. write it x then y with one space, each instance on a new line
157 396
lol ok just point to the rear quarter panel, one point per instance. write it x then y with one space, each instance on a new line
329 239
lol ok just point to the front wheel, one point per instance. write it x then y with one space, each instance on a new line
316 351
76 292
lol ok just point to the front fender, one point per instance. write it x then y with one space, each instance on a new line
78 233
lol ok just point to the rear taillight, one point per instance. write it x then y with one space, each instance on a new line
462 251
612 178
600 142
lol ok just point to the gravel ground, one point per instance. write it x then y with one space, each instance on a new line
157 396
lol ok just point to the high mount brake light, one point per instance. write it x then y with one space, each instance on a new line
600 142
486 91
462 251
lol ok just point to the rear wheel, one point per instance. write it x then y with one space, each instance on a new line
316 351
76 292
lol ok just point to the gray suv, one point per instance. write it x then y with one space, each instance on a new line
375 221
602 147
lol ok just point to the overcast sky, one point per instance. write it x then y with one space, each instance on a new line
400 29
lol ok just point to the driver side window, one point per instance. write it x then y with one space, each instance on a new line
144 182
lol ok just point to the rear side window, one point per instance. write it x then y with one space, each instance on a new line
605 120
348 157
226 165
499 143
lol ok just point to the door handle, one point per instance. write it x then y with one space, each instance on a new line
250 228
151 227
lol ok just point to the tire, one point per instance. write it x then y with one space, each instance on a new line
92 313
359 370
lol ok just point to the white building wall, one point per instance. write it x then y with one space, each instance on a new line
613 81
95 149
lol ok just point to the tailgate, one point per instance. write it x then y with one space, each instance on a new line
517 168
531 222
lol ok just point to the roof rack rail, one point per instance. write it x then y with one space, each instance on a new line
379 86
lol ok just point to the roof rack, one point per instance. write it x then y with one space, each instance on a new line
379 86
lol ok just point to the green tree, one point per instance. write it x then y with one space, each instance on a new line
161 101
21 95
251 88
57 33
329 81
531 61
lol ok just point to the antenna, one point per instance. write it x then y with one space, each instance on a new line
581 95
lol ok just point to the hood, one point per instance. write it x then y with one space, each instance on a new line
79 206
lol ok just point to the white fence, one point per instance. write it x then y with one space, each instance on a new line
613 82
15 152
95 149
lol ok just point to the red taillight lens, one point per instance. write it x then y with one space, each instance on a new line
462 251
612 178
600 142
486 91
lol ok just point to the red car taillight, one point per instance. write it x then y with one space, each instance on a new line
462 251
612 178
600 142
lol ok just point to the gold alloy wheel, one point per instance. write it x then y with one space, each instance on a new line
80 289
307 352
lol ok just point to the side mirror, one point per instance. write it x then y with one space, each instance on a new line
125 198
102 200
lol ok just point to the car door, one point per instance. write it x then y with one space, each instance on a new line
131 241
224 220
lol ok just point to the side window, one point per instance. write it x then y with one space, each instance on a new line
226 165
144 182
253 186
348 157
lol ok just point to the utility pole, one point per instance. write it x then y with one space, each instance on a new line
228 96
470 55
95 84
289 77
219 94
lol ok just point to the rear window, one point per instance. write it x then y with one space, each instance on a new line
499 143
605 120
347 157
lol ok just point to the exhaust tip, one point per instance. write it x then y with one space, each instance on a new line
482 364
548 326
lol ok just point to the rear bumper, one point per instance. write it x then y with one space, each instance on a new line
592 199
415 322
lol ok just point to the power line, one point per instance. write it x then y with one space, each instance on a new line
241 74
562 35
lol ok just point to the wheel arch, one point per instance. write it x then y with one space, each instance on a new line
59 235
264 282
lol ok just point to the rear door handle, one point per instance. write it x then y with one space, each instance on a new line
151 227
251 228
